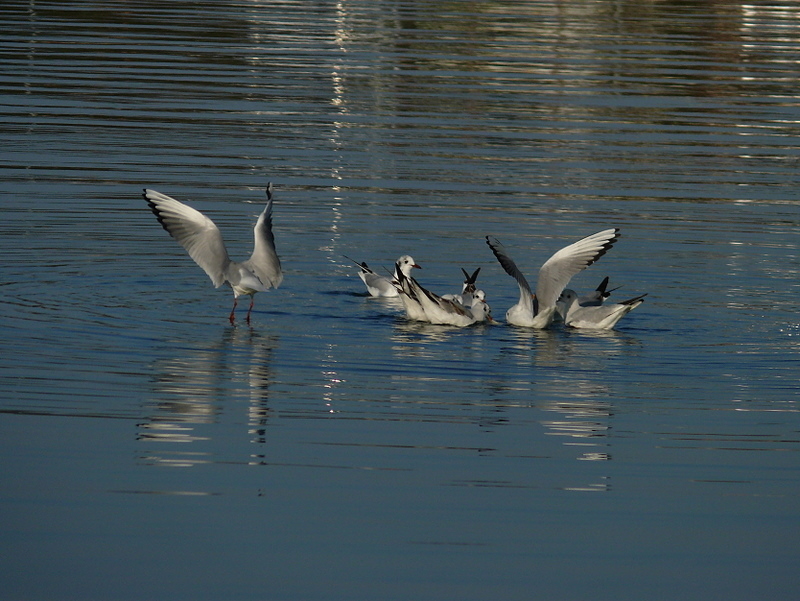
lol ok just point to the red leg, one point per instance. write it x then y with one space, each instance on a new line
235 302
252 302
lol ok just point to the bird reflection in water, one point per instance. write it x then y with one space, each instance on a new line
203 387
570 378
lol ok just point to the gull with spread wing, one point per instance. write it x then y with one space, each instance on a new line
537 310
203 241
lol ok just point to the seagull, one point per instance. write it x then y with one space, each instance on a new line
377 285
467 289
595 298
478 298
442 311
202 240
402 279
537 310
598 295
594 315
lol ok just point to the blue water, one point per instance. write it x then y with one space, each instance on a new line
331 449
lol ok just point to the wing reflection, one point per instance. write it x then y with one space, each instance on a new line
582 423
201 387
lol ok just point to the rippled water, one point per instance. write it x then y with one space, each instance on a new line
332 450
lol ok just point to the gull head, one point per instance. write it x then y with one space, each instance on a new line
405 264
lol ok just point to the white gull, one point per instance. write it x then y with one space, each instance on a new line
424 305
590 311
377 285
203 241
538 310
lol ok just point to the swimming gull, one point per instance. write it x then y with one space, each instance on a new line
538 310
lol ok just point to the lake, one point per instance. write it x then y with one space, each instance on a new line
331 449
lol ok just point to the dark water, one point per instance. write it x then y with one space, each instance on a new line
331 450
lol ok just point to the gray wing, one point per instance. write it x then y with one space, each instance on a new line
264 261
596 297
194 231
444 304
512 270
373 280
559 269
362 266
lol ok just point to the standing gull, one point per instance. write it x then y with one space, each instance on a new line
537 310
202 240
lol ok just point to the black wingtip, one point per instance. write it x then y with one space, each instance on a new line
606 246
363 265
470 280
633 300
269 191
155 210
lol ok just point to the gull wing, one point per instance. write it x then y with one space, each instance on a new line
376 284
194 231
596 297
559 269
469 280
362 266
264 261
444 304
525 298
405 289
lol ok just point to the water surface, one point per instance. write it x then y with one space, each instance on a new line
331 449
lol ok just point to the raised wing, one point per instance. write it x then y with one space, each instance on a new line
469 280
362 266
264 261
559 269
194 231
525 298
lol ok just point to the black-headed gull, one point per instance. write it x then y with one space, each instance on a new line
578 312
202 240
438 310
537 310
